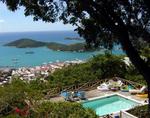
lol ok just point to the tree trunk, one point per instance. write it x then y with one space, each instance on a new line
147 2
135 58
122 32
148 84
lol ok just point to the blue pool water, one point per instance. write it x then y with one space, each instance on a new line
109 105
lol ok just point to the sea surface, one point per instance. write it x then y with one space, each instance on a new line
16 57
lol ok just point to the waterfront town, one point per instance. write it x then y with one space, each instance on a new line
32 73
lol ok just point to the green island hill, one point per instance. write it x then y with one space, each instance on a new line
73 38
29 43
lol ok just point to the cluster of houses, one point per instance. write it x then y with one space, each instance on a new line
43 71
5 75
32 73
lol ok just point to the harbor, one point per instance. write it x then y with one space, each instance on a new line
32 73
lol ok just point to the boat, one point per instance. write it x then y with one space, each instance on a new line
29 52
15 59
15 62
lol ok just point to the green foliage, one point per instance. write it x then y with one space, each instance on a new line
18 92
146 52
12 116
140 111
73 75
38 84
134 75
109 65
63 110
15 94
99 67
63 47
136 78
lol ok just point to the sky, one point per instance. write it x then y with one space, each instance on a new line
17 22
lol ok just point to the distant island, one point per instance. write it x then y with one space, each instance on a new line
29 43
26 43
73 38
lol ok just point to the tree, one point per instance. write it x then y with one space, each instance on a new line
63 110
17 94
100 22
20 99
109 66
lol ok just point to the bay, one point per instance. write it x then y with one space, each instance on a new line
42 54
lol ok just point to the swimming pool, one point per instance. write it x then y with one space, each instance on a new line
110 104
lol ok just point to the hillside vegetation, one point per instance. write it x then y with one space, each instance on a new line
98 67
15 98
16 94
140 111
63 47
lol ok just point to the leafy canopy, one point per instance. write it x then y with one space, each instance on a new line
96 20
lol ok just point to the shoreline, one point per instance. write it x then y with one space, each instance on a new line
44 63
32 73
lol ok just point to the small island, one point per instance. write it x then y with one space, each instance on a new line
73 38
26 43
29 43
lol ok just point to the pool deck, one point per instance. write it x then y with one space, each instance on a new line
97 93
93 94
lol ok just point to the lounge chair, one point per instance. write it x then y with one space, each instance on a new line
103 87
75 94
111 82
119 83
81 95
66 95
142 95
135 91
63 93
72 99
115 85
125 89
116 117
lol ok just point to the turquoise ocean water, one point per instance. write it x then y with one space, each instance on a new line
41 55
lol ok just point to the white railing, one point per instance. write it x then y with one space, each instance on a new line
124 114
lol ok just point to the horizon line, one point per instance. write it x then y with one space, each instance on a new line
36 31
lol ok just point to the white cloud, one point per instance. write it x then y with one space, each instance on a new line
1 21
